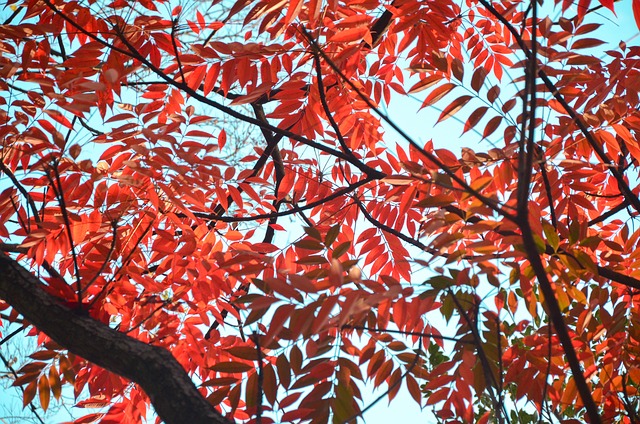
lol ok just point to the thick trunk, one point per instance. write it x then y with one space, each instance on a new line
173 394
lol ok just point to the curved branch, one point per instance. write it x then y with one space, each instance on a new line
490 378
405 333
609 213
294 209
430 156
131 52
325 105
632 198
154 369
557 318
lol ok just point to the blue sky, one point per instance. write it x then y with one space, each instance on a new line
420 125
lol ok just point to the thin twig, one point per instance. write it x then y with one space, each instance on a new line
11 335
106 259
405 333
15 375
32 205
12 16
175 49
609 213
148 317
260 394
270 151
325 105
293 210
65 216
391 386
125 262
547 189
484 360
430 156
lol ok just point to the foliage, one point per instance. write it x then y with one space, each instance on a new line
322 252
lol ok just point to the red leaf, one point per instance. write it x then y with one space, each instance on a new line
425 83
608 4
635 4
454 107
491 126
474 118
437 94
222 139
293 10
350 35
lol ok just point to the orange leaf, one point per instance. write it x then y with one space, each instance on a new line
29 393
195 78
44 392
293 10
54 382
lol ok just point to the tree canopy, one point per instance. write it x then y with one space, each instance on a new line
206 208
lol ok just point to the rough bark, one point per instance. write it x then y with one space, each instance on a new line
173 394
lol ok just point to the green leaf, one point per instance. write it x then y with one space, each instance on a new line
343 407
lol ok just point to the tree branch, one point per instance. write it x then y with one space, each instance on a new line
294 209
624 187
555 314
428 155
134 54
154 369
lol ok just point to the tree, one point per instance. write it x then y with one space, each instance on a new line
162 256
